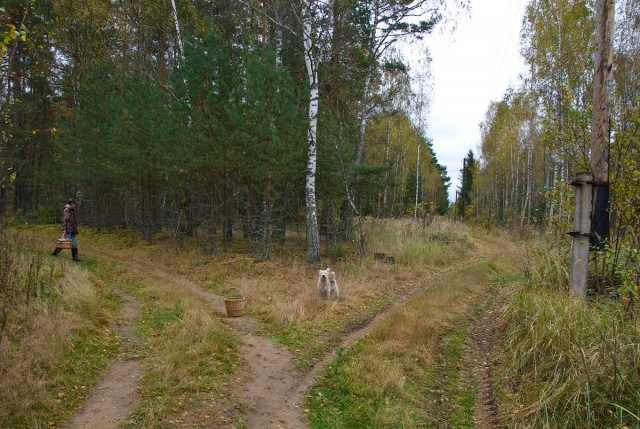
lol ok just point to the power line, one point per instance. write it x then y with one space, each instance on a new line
502 37
511 35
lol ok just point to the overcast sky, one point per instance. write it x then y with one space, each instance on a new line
470 68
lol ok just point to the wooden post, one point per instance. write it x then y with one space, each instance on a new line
581 234
601 119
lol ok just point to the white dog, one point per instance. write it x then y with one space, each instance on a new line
327 283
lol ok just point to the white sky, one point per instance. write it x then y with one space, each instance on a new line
471 67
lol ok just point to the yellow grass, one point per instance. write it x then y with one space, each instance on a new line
53 351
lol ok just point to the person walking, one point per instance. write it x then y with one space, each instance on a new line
69 229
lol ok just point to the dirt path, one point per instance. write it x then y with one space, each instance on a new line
109 404
271 398
485 336
275 394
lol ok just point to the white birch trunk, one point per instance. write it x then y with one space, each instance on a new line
313 236
527 185
278 37
363 116
386 173
364 103
178 33
181 48
415 207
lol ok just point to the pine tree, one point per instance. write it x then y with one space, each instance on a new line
465 193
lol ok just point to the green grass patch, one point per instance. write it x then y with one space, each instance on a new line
155 319
424 394
340 400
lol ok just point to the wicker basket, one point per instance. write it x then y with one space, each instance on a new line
63 243
235 306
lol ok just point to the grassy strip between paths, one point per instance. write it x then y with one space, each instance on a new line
405 373
190 356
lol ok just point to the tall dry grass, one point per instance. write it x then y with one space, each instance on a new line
572 363
414 243
548 265
53 343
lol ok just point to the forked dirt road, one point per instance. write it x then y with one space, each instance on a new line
275 395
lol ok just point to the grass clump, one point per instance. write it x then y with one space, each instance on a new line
413 243
571 363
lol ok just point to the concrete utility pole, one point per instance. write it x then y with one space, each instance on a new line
601 120
591 216
581 233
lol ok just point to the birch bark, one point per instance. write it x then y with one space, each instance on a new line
313 236
415 207
178 33
181 48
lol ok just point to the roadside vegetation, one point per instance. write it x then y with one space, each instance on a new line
562 362
54 338
407 371
570 363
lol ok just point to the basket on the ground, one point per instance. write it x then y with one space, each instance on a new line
64 243
235 306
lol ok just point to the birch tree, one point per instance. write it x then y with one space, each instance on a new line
558 46
388 22
311 63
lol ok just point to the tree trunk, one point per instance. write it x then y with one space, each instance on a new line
178 33
267 223
384 210
415 207
213 238
601 121
313 236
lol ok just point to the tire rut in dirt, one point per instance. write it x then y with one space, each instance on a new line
271 397
483 339
109 405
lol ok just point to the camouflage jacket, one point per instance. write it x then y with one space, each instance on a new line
69 224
